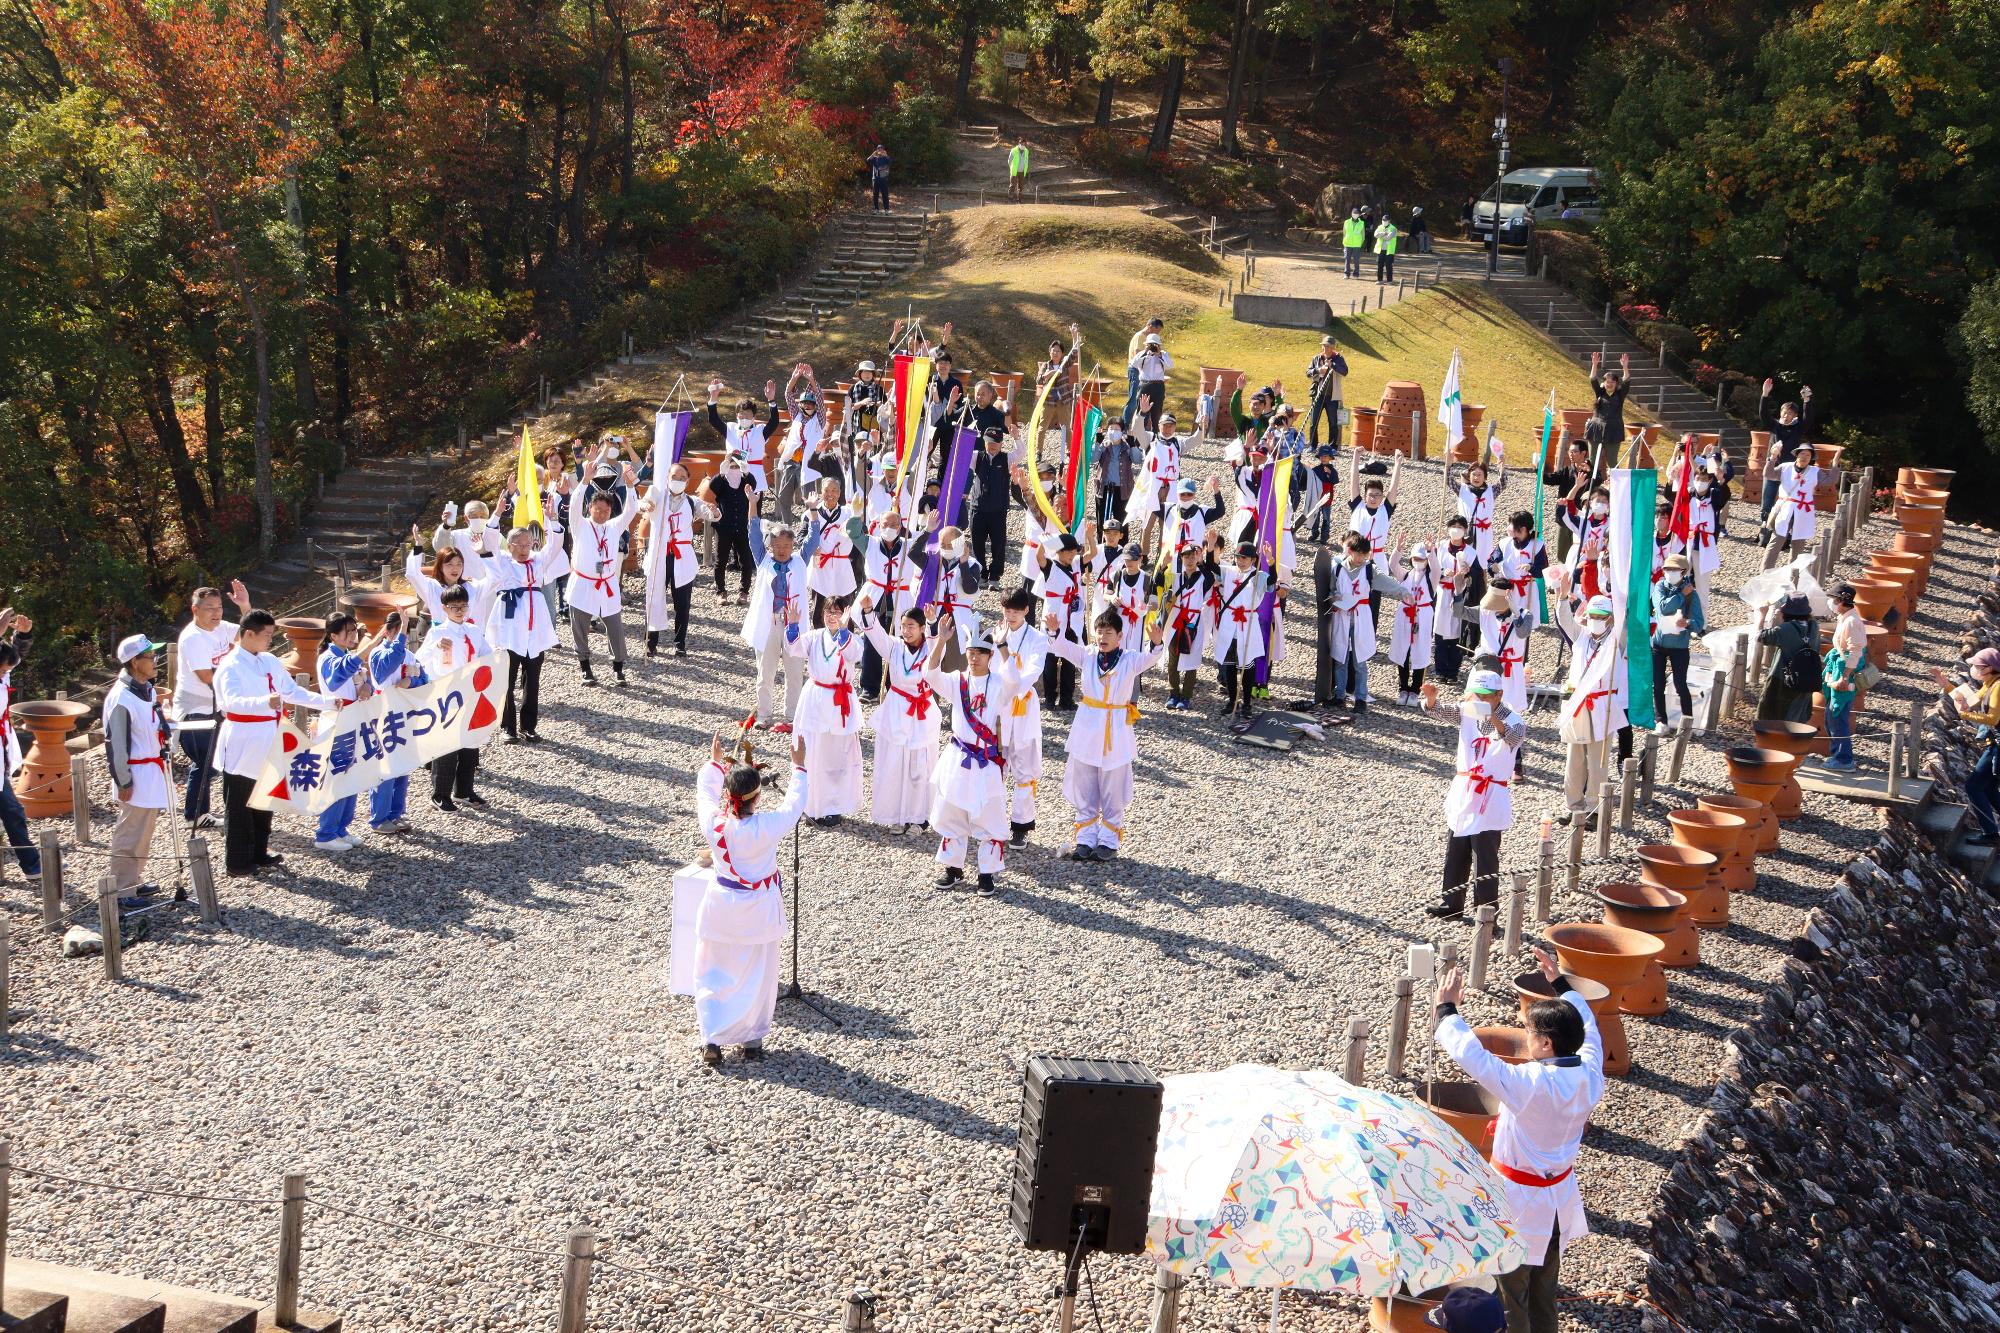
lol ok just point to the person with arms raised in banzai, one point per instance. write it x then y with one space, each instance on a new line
1545 1104
1606 429
742 913
878 179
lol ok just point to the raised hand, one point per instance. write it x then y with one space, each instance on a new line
1543 960
239 594
714 390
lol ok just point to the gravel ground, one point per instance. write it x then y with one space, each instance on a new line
469 1030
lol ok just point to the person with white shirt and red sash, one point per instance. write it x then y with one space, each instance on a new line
1479 804
971 805
135 751
742 913
453 642
1477 502
1592 710
1545 1105
829 712
1023 650
204 641
514 609
1792 519
671 562
596 565
906 722
251 686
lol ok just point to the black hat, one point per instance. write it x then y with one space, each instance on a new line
1246 549
1796 607
1067 542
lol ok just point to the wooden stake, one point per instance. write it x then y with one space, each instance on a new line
107 926
1628 796
1649 766
1545 878
202 872
1679 755
576 1280
1607 792
79 797
1482 944
1517 908
1895 775
291 1233
1399 1027
1575 879
52 880
1355 1069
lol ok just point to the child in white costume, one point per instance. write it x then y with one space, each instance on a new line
777 604
906 722
742 914
971 803
1102 743
1410 628
1023 650
829 713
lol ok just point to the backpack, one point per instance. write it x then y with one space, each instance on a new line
1799 671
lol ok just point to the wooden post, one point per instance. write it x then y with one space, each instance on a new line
1550 321
1545 878
202 872
6 1194
1918 706
4 924
1628 796
1738 678
291 1235
576 1280
1607 797
1355 1068
1649 766
1895 775
1711 709
107 926
1166 1313
79 796
52 880
1482 944
1575 877
1399 1027
1517 909
1679 755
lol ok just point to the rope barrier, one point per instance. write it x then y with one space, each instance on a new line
267 1201
803 1316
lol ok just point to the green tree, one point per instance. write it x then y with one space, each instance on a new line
1978 347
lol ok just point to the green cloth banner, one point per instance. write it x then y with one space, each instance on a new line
1541 471
1639 495
1086 457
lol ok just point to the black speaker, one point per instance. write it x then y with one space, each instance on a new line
1089 1129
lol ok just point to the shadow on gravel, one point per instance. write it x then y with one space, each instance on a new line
864 1021
1625 1145
815 1074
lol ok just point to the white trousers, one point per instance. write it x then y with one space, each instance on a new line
735 991
902 783
1101 797
833 773
1024 771
958 827
770 662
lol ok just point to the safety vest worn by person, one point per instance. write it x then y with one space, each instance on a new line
1354 233
1385 239
1017 160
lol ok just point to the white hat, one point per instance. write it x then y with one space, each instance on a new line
1152 340
1484 682
1600 605
865 365
979 641
1420 551
135 644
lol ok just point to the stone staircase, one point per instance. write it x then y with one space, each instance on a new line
862 253
1054 179
51 1298
357 522
1580 331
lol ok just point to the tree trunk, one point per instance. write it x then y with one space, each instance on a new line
553 224
1242 39
166 422
1170 105
968 50
626 111
260 346
586 156
1105 90
303 387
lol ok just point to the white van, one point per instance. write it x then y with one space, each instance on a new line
1543 193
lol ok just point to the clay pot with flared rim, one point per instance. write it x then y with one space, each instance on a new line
1691 871
1363 426
1923 543
1656 911
43 782
372 608
1939 477
1760 449
1882 641
1759 774
306 634
1466 448
1532 987
1912 570
1466 1107
1793 738
1617 958
1509 1044
1828 455
1873 597
1575 420
1405 1314
1719 836
1739 868
1920 518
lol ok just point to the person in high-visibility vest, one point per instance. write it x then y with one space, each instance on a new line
1353 239
1017 170
1385 251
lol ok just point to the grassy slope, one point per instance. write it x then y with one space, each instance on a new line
1009 278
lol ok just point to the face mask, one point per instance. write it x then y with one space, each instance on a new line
1457 539
733 473
1480 708
1600 510
954 550
676 485
1701 489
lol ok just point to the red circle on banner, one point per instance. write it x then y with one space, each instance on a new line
482 678
291 742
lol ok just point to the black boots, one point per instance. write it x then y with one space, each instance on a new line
589 676
617 672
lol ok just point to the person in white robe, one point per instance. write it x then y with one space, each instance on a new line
1023 650
596 586
1452 563
742 915
135 755
1503 637
671 559
1545 1105
1479 804
1410 625
1097 780
1704 528
970 810
1372 508
1357 587
1124 588
251 686
452 643
829 712
1592 711
1159 475
1477 501
1238 644
1186 617
514 610
829 545
1793 520
906 721
1518 562
776 616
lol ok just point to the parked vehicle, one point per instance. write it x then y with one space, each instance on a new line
1541 193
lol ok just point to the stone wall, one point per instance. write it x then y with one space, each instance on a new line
1848 1170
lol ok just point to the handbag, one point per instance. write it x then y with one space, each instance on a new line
1867 677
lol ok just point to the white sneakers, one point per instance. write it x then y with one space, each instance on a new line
335 845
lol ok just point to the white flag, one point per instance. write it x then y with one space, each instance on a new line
1451 406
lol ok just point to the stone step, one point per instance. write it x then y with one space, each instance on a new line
1942 821
186 1310
24 1310
103 1312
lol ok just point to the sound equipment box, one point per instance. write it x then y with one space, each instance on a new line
1089 1130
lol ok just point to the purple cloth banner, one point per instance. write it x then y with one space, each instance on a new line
670 434
951 498
1267 539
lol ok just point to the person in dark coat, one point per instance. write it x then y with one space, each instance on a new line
1794 634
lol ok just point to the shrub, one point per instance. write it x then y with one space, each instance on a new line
1636 314
913 129
1679 340
854 61
1112 152
1575 262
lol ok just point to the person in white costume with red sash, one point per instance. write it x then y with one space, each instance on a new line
971 805
671 562
1793 520
742 914
1592 710
829 713
1410 624
1545 1104
1023 650
906 722
1479 804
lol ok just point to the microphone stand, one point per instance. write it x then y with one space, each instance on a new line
792 990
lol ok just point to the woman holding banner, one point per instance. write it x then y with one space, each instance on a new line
671 565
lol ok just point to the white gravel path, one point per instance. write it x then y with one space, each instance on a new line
469 1029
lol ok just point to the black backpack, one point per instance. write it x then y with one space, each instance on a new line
1799 670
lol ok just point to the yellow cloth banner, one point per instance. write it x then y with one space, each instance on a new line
1035 488
910 415
528 507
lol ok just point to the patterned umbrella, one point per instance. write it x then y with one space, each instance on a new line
1279 1178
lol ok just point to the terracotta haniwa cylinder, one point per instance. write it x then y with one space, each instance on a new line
1532 987
1657 912
1720 835
43 782
1616 958
1400 413
1364 429
1510 1044
1694 872
1575 420
1793 738
1873 598
1920 518
1406 1314
1760 449
1467 1108
306 634
1922 543
1739 866
1758 774
1939 477
372 608
1913 567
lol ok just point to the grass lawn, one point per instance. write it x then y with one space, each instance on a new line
1010 278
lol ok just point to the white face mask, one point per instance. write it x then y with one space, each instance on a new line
954 550
1480 708
1600 510
733 472
1701 488
677 485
